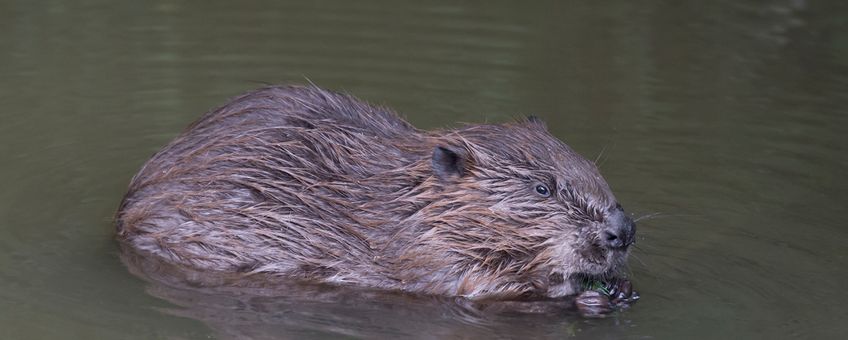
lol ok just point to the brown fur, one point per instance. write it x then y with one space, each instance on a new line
300 183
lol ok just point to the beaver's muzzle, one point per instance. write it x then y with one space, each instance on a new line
620 230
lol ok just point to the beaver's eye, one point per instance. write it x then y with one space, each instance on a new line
543 190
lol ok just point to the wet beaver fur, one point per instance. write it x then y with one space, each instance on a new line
300 183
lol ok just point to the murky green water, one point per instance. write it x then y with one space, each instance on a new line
727 120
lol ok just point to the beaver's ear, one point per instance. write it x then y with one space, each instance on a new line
448 162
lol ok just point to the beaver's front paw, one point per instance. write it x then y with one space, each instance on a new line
621 293
593 304
614 295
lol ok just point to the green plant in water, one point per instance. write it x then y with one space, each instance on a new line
596 285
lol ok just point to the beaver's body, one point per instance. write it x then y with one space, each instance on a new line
305 184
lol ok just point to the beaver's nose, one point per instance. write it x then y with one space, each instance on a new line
620 231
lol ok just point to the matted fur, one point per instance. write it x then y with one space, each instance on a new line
301 183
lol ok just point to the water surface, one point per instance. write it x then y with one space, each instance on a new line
724 121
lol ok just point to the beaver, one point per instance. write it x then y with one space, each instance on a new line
301 183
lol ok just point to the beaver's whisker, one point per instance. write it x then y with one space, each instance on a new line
636 257
647 216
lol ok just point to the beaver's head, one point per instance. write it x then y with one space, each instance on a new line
521 213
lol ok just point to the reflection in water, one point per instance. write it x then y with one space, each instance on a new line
726 118
360 315
290 310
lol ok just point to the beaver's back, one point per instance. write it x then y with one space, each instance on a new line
265 184
279 115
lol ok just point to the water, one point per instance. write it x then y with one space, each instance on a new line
726 120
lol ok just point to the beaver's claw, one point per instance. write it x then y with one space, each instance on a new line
621 293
